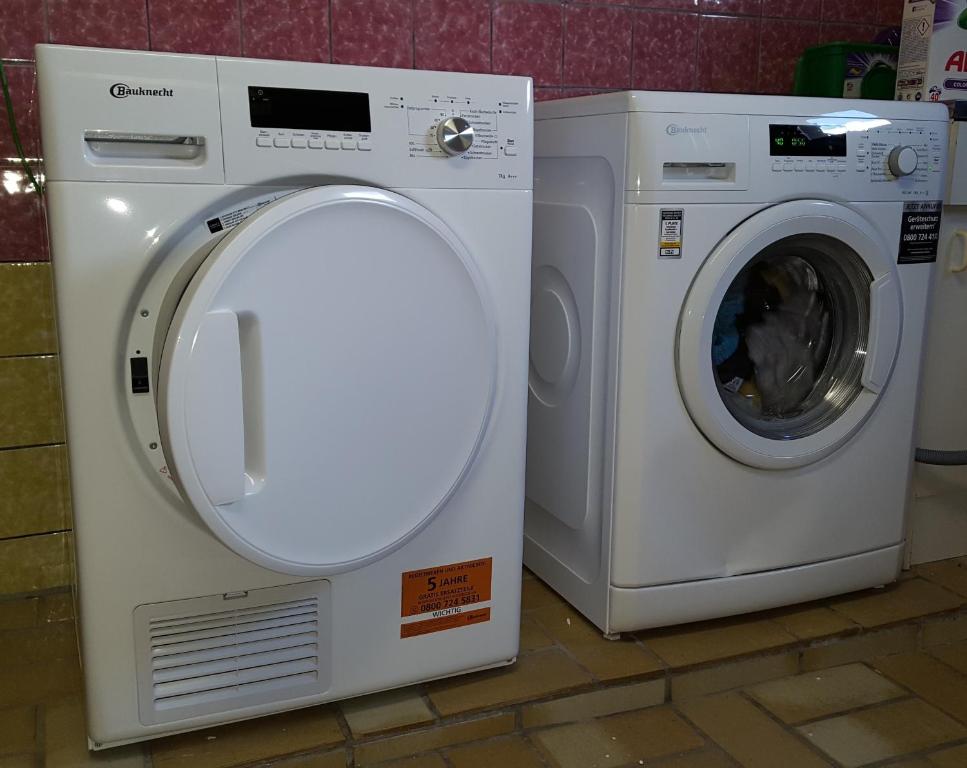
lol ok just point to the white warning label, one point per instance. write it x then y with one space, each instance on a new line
670 226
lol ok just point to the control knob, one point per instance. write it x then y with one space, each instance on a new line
903 161
455 135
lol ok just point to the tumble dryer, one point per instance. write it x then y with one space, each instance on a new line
292 303
728 305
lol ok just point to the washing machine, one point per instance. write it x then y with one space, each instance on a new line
728 303
292 302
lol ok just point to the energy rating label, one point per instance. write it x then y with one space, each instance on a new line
670 233
445 597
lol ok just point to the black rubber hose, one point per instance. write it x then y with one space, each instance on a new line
941 458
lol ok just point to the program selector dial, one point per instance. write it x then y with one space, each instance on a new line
455 135
903 161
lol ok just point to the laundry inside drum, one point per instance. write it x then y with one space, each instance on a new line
790 337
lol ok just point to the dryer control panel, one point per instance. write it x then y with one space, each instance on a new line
389 127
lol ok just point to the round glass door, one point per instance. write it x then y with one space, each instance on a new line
790 337
789 333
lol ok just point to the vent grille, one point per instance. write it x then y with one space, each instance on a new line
198 662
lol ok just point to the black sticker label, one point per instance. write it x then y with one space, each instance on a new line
919 232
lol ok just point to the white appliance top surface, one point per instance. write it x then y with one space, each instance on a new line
735 104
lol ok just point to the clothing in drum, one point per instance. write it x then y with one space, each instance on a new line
790 337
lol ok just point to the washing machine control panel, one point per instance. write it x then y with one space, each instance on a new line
908 154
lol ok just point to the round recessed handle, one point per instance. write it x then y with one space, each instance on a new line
903 161
455 135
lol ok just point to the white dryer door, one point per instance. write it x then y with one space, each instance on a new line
789 334
327 379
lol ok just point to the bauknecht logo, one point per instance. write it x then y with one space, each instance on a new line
123 90
673 130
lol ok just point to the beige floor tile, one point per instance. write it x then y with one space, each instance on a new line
706 758
26 310
584 706
606 659
506 752
428 760
863 647
945 630
30 404
335 759
18 761
814 623
725 677
532 636
711 641
898 602
930 679
425 740
536 594
823 693
954 654
618 740
748 734
18 727
386 711
955 757
299 731
951 574
20 613
537 674
889 730
66 741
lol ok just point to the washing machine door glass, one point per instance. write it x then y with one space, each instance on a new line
327 379
797 314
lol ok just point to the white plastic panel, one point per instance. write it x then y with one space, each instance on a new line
371 342
128 92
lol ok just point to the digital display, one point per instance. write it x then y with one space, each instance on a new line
308 110
805 141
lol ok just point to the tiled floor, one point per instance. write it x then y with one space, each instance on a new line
873 679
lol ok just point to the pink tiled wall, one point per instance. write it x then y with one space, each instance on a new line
569 48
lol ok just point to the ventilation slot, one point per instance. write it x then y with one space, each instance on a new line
197 663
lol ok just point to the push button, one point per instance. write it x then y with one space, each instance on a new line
348 144
139 375
263 141
332 144
800 165
281 141
364 146
787 166
777 165
299 142
315 143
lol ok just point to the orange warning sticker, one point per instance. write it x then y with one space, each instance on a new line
427 626
446 586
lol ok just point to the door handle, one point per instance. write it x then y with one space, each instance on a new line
885 324
960 235
214 410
